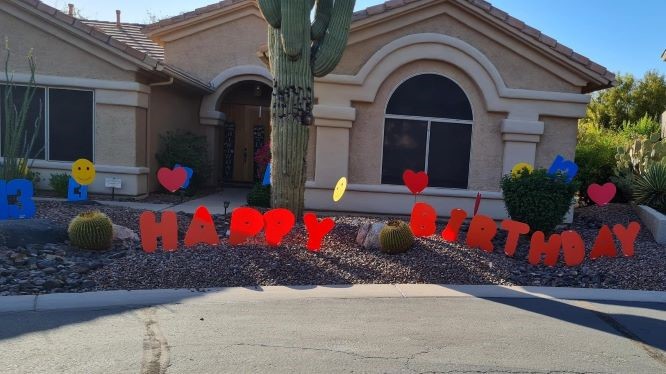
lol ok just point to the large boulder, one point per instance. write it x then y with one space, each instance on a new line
21 232
369 235
124 233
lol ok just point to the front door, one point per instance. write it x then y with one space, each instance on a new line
251 130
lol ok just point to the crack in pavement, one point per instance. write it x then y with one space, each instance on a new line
356 355
156 358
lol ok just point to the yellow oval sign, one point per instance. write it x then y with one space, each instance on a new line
340 189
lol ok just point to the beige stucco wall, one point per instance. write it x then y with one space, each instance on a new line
170 109
53 55
208 53
528 76
559 138
115 135
366 140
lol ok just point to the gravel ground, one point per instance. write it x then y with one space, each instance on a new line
341 261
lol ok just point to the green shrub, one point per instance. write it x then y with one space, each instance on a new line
91 230
59 183
595 156
259 196
186 149
646 126
538 199
396 237
650 188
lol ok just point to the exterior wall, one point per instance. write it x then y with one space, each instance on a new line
53 55
67 61
559 138
208 53
366 142
171 109
529 76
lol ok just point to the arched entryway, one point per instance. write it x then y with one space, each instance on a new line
246 129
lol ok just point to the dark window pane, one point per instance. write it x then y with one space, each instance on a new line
31 123
430 95
404 148
448 161
70 125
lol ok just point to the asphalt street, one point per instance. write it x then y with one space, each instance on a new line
396 335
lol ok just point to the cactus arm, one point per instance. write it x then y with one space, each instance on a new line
329 52
322 18
271 11
293 27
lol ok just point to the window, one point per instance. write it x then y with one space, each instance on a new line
66 124
32 115
428 127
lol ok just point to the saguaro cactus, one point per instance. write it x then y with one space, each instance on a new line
298 51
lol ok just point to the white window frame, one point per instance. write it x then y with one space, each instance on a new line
47 119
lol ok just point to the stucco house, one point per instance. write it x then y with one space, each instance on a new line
455 87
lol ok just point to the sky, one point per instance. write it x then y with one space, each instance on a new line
624 36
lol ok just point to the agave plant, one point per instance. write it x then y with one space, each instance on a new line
650 187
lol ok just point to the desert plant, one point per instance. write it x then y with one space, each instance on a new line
538 199
595 156
60 183
650 187
396 237
17 144
186 149
259 196
635 158
91 230
645 126
298 51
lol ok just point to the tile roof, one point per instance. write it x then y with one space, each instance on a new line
130 34
507 19
195 13
129 42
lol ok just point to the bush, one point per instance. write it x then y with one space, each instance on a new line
650 188
538 199
91 230
259 196
186 149
595 156
59 183
646 126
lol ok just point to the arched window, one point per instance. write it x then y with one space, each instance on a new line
428 127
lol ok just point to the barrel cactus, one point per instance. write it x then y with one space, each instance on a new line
91 230
299 51
396 237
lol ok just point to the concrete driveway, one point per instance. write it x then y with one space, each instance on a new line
341 335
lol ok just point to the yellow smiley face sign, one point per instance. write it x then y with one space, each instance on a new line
83 172
340 189
519 167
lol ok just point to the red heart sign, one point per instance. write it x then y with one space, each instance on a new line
416 182
172 180
601 195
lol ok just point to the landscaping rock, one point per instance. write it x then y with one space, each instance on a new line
123 233
362 233
372 238
20 233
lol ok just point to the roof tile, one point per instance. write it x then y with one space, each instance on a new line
482 4
499 13
100 35
552 43
564 49
375 9
580 58
531 31
515 22
392 4
64 17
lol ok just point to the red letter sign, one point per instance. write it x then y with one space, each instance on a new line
573 247
450 233
627 236
423 220
604 245
278 223
317 230
539 247
514 230
202 229
151 230
481 232
245 223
